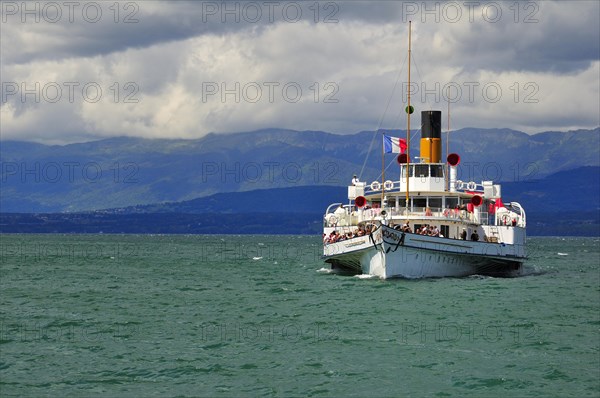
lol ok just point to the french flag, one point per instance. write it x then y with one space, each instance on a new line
394 144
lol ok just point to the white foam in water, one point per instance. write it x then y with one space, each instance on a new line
324 270
365 276
562 254
256 258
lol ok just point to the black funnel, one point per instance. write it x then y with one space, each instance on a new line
431 124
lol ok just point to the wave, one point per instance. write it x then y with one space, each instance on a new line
365 276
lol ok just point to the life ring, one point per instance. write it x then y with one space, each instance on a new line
375 186
506 219
458 184
388 185
471 186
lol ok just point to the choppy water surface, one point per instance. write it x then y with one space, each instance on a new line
86 315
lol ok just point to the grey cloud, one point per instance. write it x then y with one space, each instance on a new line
171 54
549 36
149 23
559 37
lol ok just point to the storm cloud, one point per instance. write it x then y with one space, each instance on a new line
76 71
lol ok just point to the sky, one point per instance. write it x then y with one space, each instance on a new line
79 71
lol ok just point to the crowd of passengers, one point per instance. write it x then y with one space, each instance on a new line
429 230
335 236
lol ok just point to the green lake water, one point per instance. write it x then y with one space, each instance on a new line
246 316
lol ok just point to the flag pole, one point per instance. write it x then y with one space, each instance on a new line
382 168
408 120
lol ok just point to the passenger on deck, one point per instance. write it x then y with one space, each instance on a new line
435 231
406 227
474 236
334 237
463 234
355 180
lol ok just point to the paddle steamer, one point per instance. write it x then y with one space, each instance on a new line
427 223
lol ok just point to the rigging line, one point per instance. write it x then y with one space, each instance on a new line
381 120
417 131
386 167
421 79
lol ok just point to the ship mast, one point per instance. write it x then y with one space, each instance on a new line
408 112
382 172
448 137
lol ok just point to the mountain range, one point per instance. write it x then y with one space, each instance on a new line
131 172
564 203
572 191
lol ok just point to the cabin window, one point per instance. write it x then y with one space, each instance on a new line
422 170
435 203
410 170
419 202
451 202
437 170
445 230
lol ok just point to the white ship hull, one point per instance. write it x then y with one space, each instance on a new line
388 253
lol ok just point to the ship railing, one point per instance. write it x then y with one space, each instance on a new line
398 186
376 187
351 217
